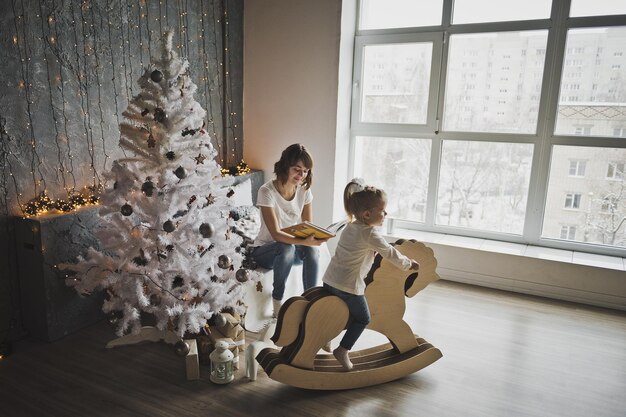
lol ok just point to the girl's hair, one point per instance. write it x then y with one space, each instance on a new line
290 157
358 198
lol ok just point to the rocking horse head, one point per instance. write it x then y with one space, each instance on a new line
387 286
382 270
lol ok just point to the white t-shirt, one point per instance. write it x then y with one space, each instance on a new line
288 213
354 255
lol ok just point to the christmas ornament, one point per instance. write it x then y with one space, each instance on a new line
159 115
140 261
210 199
178 281
181 348
180 172
206 230
156 76
200 159
170 155
126 209
144 112
242 275
230 193
155 299
148 188
169 226
220 320
224 262
188 131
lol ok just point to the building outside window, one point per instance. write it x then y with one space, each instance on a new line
577 168
485 114
568 232
615 170
572 201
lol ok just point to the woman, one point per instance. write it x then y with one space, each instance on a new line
286 201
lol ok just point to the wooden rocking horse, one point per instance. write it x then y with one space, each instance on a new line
307 322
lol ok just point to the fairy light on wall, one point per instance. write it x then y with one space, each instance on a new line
148 30
83 83
208 82
223 148
51 40
227 113
113 70
96 71
160 15
78 91
35 162
140 37
7 167
69 169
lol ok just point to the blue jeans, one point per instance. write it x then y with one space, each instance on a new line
359 315
281 257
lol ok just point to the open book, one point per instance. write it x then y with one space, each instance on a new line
305 229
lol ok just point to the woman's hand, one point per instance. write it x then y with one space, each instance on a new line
311 240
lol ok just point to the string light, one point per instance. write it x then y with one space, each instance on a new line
99 90
208 97
84 65
240 169
43 204
51 41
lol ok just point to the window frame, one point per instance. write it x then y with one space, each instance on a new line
544 139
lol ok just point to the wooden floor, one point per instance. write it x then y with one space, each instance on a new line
504 355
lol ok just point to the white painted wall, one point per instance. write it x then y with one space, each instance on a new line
291 61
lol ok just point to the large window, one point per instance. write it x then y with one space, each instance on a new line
500 120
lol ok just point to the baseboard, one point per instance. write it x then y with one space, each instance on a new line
535 288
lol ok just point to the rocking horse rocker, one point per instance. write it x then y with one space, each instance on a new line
307 322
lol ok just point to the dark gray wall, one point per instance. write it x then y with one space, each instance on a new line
68 70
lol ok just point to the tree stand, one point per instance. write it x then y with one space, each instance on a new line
306 323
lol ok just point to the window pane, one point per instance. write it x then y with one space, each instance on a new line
387 14
494 82
400 167
479 11
597 7
594 205
592 101
484 185
395 83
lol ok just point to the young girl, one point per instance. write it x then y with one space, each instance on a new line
353 258
285 201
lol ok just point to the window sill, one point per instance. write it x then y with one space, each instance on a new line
531 251
553 273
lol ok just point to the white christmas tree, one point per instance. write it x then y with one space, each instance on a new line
167 246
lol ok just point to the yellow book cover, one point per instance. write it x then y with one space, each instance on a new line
306 229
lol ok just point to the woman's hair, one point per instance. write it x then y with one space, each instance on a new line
290 157
358 198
